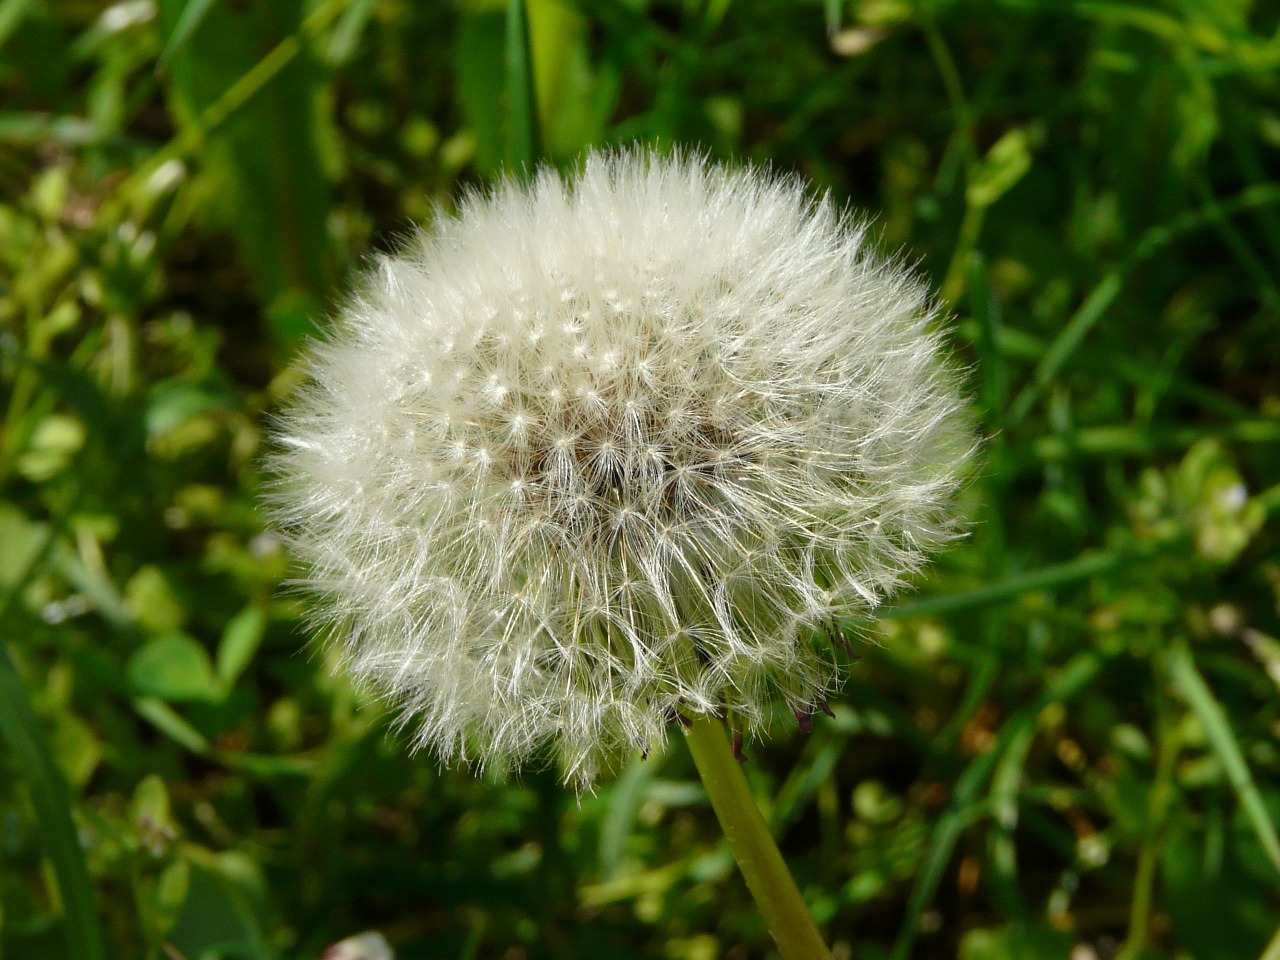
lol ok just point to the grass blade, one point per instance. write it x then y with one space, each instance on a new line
52 804
189 19
967 806
833 13
941 843
1082 568
1067 342
1191 684
1273 948
49 795
526 132
1109 288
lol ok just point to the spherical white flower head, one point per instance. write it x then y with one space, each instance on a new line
601 452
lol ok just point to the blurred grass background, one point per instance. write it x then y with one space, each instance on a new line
1064 746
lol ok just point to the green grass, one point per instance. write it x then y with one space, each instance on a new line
1065 740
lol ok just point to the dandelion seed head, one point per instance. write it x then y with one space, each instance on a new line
600 451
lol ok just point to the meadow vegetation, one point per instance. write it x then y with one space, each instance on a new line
1065 743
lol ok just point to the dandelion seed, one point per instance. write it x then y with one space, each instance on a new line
602 452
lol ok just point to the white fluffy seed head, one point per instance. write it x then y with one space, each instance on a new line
599 452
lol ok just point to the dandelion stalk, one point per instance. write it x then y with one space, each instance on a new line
762 866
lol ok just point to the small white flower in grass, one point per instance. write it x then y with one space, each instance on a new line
597 453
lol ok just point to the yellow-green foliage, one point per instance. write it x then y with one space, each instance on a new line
1063 745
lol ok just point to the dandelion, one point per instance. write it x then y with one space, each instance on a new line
600 452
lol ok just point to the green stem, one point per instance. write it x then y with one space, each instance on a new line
762 866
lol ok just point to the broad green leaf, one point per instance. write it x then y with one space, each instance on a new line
149 809
239 643
76 748
23 541
173 402
1005 164
149 597
170 895
222 913
53 444
173 667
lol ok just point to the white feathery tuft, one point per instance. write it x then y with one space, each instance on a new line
600 452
